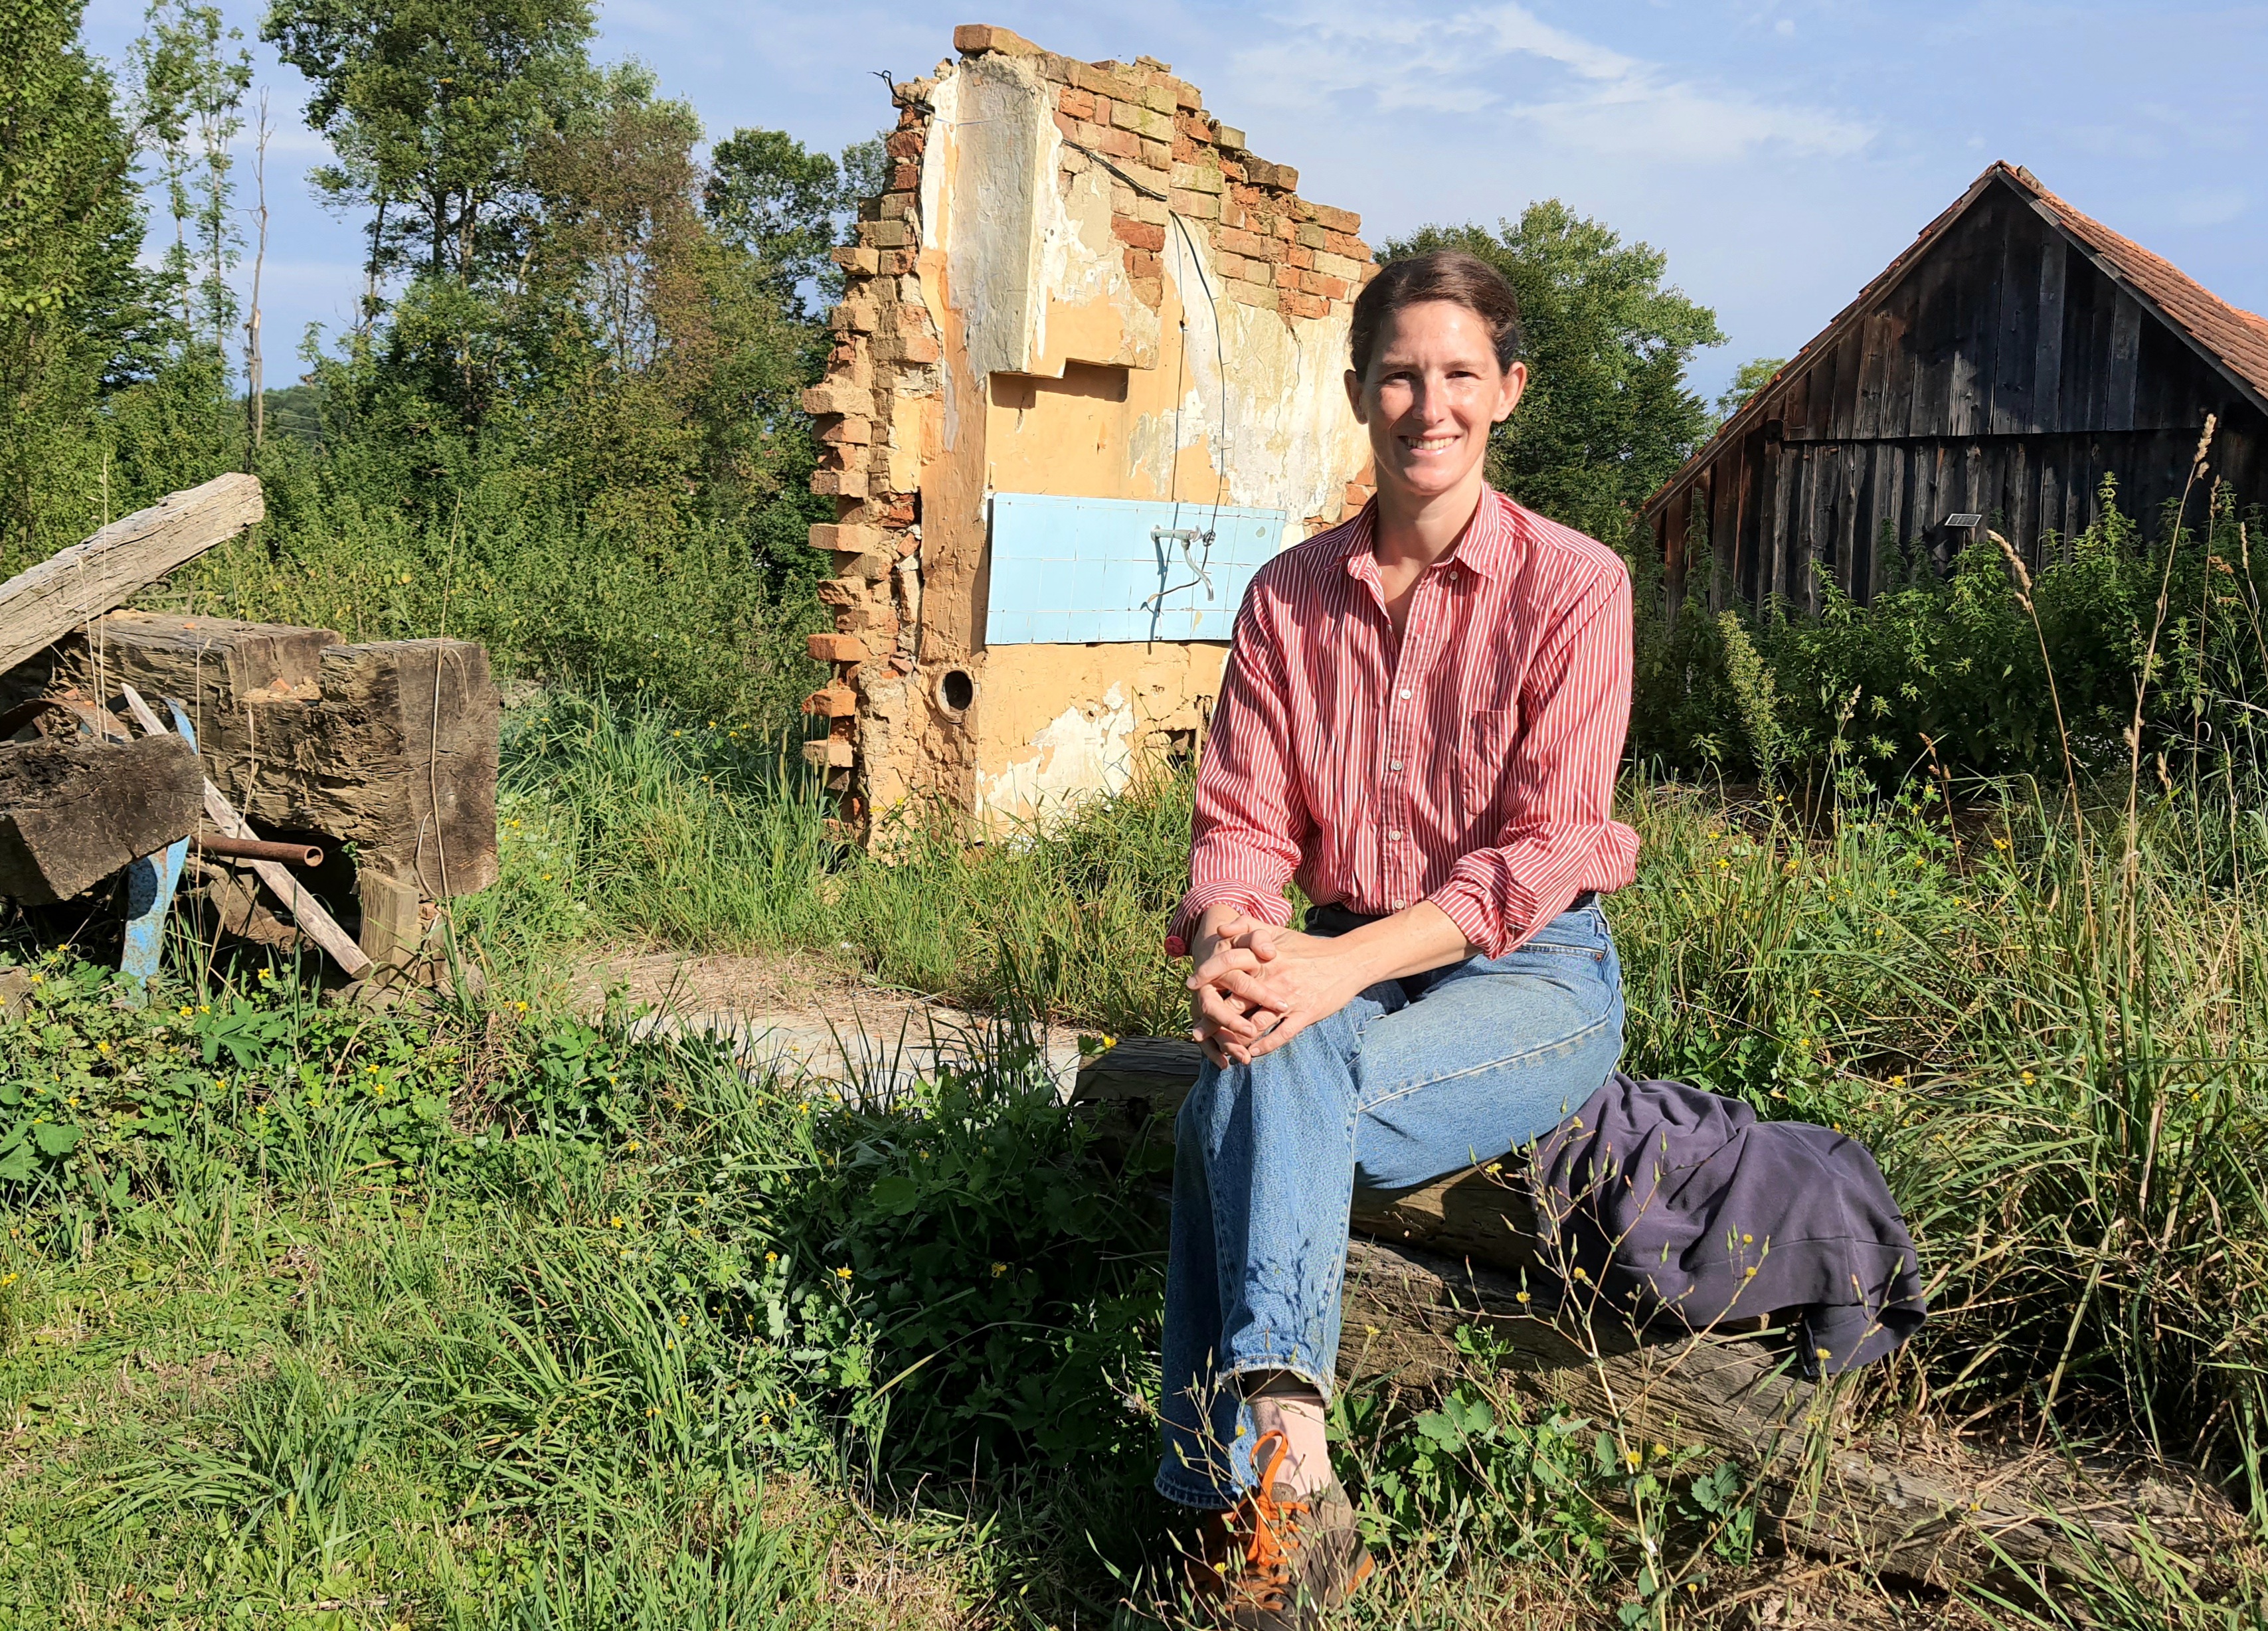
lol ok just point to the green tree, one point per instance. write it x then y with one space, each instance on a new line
75 312
432 108
190 73
788 206
1607 415
1750 378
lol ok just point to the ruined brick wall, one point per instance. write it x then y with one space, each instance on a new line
1079 281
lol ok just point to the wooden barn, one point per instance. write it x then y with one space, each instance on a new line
1991 376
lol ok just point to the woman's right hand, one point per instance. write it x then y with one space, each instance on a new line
1225 1026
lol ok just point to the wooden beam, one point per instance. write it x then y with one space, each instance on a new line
1463 1252
41 606
74 811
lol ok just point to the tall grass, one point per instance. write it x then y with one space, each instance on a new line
700 834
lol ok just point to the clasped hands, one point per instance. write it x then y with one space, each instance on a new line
1257 985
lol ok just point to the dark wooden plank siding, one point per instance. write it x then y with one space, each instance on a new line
2004 373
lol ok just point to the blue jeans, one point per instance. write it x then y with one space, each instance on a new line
1413 1080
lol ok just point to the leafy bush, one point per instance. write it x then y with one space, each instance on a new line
1954 670
99 1089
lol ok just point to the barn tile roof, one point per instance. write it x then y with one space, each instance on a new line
2236 338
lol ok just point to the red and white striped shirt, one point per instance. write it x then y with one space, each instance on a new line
1471 764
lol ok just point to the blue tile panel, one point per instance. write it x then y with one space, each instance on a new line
1069 570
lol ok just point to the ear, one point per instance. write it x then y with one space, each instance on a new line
1354 397
1509 392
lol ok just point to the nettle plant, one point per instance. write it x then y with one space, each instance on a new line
99 1080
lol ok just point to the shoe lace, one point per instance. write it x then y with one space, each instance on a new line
1265 1579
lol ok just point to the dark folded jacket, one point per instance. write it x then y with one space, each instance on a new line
1684 1208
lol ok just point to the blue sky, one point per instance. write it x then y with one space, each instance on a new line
1780 151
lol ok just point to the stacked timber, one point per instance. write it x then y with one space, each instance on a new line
381 754
1465 1253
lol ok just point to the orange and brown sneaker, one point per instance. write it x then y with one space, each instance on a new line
1276 1561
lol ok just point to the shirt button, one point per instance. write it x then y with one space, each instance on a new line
1405 697
1393 764
1394 833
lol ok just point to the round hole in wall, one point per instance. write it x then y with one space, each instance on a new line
956 688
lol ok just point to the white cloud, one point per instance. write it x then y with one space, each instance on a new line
1504 61
2210 206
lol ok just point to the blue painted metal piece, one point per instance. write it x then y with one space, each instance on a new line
150 885
1066 571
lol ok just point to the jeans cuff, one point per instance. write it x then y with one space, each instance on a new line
1299 1367
1175 1483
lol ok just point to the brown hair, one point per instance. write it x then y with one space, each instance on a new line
1450 275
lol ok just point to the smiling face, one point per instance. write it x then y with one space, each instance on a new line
1433 391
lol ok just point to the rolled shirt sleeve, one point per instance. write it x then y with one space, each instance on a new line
1250 822
1560 836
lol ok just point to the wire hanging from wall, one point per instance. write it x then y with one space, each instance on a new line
1183 536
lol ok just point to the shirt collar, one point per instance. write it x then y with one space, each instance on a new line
1488 545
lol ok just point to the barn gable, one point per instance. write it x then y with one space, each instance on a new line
2014 353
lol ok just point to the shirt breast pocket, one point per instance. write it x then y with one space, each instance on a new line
1485 769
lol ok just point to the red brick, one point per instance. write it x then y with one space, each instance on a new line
905 144
836 702
971 38
1301 257
1068 123
1077 103
1338 220
1120 145
1287 277
1318 284
836 649
1151 291
1340 243
1140 263
1303 305
917 347
905 176
895 262
848 430
1141 234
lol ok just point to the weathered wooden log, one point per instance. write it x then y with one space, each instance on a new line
39 606
74 811
390 747
1464 1253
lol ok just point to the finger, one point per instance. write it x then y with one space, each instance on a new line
1251 991
1221 962
1216 1016
1286 1028
1264 942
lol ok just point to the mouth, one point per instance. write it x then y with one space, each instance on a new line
1429 447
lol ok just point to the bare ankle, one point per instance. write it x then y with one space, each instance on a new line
1284 1403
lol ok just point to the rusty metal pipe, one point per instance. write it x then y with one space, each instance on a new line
259 849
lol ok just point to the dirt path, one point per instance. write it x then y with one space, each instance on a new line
797 1015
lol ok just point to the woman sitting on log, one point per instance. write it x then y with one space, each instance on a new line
1421 720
